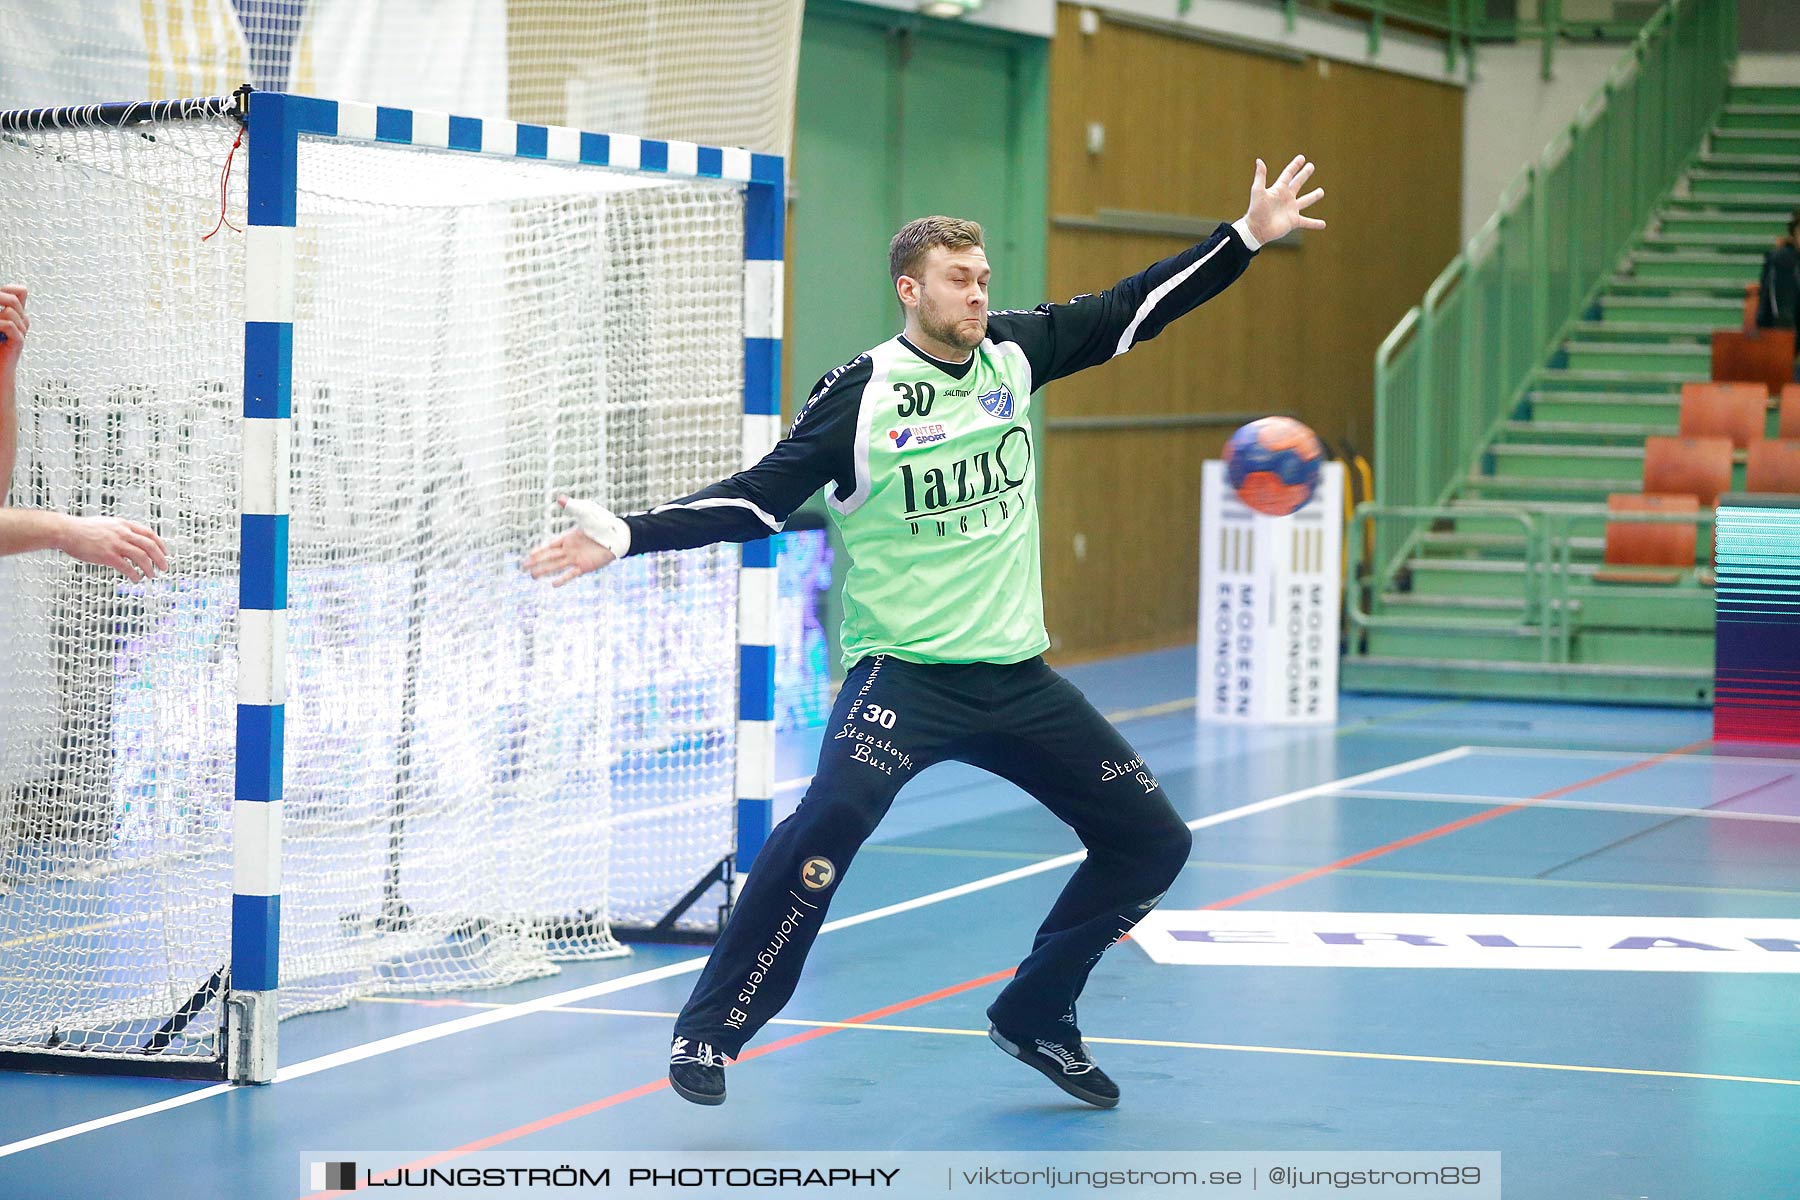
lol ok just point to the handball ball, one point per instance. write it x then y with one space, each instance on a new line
1273 464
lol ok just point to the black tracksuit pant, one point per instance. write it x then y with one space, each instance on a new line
1021 721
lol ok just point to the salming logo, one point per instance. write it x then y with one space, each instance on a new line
822 389
1071 1065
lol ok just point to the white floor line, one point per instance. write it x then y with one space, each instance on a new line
1649 810
481 1020
1233 1047
1725 759
1233 814
148 1110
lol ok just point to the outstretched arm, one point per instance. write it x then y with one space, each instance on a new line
132 550
127 547
750 505
1061 339
13 325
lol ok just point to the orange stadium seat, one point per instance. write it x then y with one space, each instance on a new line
1649 551
1738 411
1789 424
1688 466
1774 467
1765 356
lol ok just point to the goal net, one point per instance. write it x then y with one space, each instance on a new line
483 773
721 72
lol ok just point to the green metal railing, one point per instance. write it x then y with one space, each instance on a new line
1547 606
1461 24
1458 365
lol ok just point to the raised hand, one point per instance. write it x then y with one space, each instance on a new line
1276 209
132 550
569 556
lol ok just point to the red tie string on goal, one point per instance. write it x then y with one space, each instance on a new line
225 187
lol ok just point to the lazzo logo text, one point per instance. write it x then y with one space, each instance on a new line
968 482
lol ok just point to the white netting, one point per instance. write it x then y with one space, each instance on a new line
480 771
718 72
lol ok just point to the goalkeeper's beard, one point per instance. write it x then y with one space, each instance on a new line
951 331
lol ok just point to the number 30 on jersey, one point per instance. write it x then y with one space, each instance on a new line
916 399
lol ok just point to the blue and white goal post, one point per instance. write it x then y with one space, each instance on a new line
425 742
1271 591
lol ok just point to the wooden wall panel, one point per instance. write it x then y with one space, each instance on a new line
1184 122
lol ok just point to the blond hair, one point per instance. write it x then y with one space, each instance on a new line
916 238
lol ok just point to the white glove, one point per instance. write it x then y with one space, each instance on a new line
600 524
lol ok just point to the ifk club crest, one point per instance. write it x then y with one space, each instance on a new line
997 403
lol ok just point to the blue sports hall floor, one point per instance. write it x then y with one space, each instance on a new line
1578 962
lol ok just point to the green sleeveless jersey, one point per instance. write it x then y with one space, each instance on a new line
931 468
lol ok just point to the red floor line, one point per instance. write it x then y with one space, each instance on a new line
1365 856
808 1035
1450 827
594 1106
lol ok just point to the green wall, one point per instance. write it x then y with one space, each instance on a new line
899 116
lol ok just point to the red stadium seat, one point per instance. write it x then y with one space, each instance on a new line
1683 466
1774 467
1738 411
1765 356
1649 551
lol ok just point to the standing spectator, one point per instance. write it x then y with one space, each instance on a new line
1779 297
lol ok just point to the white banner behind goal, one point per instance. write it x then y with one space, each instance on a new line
481 773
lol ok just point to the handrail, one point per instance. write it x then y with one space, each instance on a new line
1369 510
1559 147
1459 364
1479 247
1435 293
1386 350
1463 23
1546 604
1514 193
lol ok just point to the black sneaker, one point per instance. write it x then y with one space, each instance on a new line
697 1071
1069 1067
